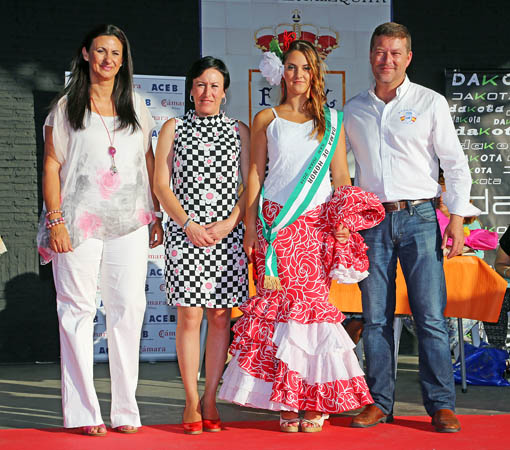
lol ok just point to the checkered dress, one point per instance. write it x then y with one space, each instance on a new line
205 175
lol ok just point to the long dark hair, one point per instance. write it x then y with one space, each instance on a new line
77 90
314 105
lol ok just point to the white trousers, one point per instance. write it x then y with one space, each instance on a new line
122 265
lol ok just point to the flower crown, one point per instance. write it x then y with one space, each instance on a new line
271 65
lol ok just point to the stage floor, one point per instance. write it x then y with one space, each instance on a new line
30 395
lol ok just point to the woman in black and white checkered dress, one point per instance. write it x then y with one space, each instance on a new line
203 154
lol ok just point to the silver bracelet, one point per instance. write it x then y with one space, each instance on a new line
186 224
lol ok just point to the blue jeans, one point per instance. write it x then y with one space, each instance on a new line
411 235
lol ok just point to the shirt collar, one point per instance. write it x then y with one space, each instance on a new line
401 90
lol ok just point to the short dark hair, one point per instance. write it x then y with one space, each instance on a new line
201 65
391 29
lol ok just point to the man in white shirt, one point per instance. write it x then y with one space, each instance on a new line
399 131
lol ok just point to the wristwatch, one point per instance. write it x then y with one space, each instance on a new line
504 272
158 214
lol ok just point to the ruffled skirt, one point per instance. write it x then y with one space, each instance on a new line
290 351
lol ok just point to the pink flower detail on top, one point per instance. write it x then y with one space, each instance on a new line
88 223
108 183
145 217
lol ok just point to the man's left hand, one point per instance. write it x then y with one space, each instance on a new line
156 234
455 231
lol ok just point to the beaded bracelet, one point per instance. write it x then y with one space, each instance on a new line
55 211
54 222
186 224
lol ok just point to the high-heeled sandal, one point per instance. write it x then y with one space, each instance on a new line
192 427
126 429
286 424
211 425
317 424
87 430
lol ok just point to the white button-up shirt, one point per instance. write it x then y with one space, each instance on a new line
397 147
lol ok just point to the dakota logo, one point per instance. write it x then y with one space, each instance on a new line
407 116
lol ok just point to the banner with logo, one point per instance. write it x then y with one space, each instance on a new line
164 97
480 107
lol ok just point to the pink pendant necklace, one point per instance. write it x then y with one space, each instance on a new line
111 149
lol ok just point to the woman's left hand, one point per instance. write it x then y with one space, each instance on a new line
219 230
342 234
156 234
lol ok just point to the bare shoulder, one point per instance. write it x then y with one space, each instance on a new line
263 118
244 130
169 126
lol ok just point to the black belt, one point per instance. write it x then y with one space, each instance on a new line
404 204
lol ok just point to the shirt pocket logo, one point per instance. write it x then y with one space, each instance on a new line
407 116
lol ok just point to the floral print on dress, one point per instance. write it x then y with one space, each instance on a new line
177 164
175 254
208 286
210 196
88 223
208 276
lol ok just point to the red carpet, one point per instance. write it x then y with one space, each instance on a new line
409 433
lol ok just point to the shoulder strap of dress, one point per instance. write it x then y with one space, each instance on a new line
274 112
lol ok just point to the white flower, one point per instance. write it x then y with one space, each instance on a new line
271 68
210 196
208 286
175 254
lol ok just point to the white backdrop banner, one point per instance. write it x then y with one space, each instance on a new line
164 97
238 32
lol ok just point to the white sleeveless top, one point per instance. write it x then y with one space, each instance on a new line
289 150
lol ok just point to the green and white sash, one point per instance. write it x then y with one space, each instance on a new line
302 194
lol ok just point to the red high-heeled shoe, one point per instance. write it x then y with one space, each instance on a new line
192 427
211 425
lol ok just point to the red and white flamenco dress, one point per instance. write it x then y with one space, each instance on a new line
290 350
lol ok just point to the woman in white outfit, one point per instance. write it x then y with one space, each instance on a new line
98 163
